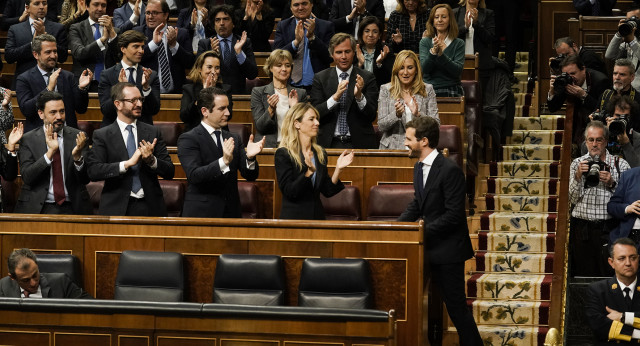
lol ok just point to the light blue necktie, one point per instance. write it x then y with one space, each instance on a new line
131 149
99 58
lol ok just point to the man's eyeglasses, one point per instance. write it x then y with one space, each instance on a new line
153 13
597 140
134 100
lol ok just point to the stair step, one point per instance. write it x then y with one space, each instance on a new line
518 186
529 287
531 152
535 137
522 242
543 122
510 262
540 204
537 169
509 312
512 336
518 222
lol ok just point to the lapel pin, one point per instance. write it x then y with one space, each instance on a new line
614 286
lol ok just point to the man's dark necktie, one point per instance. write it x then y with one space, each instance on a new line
420 181
219 142
131 80
131 149
595 11
25 293
58 181
165 70
226 46
99 58
627 297
343 127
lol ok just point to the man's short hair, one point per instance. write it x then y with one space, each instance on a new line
426 127
207 97
163 5
598 125
622 241
568 40
226 9
627 63
16 257
573 59
623 102
47 96
117 90
36 44
338 39
130 36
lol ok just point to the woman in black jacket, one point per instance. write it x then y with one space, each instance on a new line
371 52
301 166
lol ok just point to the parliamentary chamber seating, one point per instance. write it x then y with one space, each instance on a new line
150 276
61 263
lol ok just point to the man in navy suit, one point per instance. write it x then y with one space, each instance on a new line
14 12
624 206
93 42
168 50
347 14
306 38
129 15
18 47
131 45
45 76
238 61
129 155
439 201
211 158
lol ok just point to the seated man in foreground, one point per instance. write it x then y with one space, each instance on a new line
612 305
26 281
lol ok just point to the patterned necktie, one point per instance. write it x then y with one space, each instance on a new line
627 296
165 71
298 62
58 182
131 149
420 179
99 58
26 293
46 78
218 142
227 53
343 127
596 8
131 80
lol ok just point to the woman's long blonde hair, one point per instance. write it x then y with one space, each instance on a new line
418 87
290 136
453 25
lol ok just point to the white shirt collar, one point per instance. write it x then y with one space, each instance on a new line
339 71
91 22
123 126
632 286
125 66
43 72
430 158
208 127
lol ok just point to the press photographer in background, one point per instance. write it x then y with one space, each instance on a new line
593 180
566 46
623 77
624 43
622 118
582 85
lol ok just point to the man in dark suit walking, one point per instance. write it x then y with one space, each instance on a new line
439 201
346 98
236 52
346 15
129 15
52 166
612 306
624 206
26 281
306 38
45 77
93 42
131 45
129 155
168 49
211 158
19 37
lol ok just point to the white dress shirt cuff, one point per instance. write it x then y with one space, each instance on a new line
331 103
251 164
635 334
174 50
628 318
122 169
152 46
362 102
154 165
241 58
223 166
134 19
46 159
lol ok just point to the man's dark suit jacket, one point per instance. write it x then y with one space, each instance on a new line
483 35
627 192
318 48
190 112
592 60
31 83
300 196
122 14
104 160
340 9
442 208
52 285
209 192
238 74
360 122
585 8
184 21
608 293
14 9
181 61
84 48
36 173
109 78
597 83
18 47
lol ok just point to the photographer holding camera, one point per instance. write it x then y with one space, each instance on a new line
583 85
623 115
624 43
566 46
592 182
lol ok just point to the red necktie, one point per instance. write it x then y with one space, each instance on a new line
26 293
58 183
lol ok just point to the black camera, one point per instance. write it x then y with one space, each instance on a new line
618 126
592 176
561 82
628 25
555 64
599 116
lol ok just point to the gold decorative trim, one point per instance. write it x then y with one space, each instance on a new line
275 342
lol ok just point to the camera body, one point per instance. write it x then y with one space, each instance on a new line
592 176
618 126
555 64
628 25
561 82
599 116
